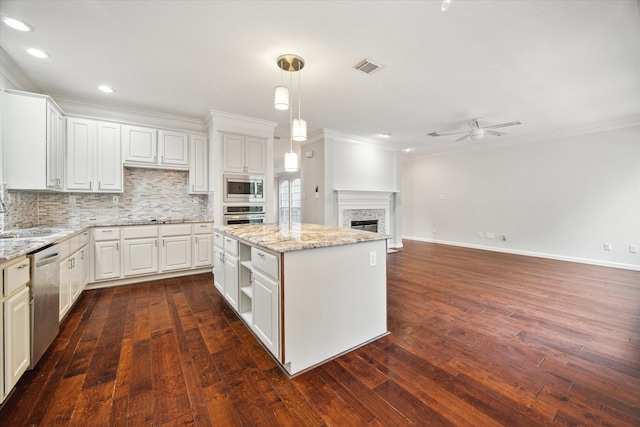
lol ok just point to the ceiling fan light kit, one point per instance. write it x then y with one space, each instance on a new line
477 132
298 131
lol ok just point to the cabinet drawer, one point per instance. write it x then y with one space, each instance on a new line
140 232
218 240
265 262
84 238
202 228
106 234
231 246
175 230
16 276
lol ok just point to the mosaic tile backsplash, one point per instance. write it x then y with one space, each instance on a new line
148 194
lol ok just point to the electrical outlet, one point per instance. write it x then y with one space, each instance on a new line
490 235
633 249
607 246
372 259
72 199
196 200
480 234
503 237
116 200
433 230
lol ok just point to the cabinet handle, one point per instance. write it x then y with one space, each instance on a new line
117 246
25 265
99 185
155 243
260 254
107 231
90 184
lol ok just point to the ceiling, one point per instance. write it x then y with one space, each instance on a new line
556 66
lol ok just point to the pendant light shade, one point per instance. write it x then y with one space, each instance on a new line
291 161
299 131
281 98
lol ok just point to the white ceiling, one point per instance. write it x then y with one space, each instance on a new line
556 66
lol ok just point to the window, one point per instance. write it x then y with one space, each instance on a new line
290 200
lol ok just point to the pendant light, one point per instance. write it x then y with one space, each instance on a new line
281 96
298 131
299 126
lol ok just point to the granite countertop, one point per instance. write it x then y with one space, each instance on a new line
13 248
295 237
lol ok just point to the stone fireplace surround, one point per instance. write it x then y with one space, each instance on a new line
364 205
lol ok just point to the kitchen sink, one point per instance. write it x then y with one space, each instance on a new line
26 234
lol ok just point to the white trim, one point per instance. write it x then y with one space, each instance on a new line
357 199
531 254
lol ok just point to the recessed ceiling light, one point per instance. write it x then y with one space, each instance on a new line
16 24
385 135
105 89
38 53
407 149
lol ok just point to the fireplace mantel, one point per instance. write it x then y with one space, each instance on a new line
364 199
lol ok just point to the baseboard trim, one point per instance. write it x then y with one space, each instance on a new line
531 254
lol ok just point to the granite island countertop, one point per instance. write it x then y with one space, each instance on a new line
296 237
13 248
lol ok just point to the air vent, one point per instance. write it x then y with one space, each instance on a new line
367 66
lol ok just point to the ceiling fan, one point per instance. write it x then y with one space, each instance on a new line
476 131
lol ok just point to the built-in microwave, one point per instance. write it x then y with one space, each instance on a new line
243 188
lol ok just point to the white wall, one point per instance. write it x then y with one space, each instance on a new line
561 198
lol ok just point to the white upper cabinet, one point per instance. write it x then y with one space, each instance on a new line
174 148
153 148
244 154
198 164
109 157
94 158
81 139
32 148
139 144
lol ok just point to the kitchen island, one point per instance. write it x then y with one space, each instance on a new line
308 292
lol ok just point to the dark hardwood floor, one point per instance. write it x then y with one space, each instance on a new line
477 338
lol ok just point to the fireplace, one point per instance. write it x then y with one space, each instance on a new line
366 225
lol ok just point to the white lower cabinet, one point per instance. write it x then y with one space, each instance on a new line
266 313
140 256
176 246
230 267
202 254
249 279
106 253
17 333
74 270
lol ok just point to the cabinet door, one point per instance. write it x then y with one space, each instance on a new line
176 253
266 312
109 157
198 165
80 142
231 280
255 155
140 256
17 337
139 144
174 148
233 153
85 261
25 141
202 248
75 276
218 269
107 260
65 288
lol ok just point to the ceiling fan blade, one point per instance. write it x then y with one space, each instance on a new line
445 134
503 125
493 132
463 138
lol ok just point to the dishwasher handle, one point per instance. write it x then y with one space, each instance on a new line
48 260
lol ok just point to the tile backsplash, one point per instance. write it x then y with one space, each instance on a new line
148 194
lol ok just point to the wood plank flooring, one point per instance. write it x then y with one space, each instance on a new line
477 338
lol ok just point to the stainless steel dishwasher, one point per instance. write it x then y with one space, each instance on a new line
45 300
